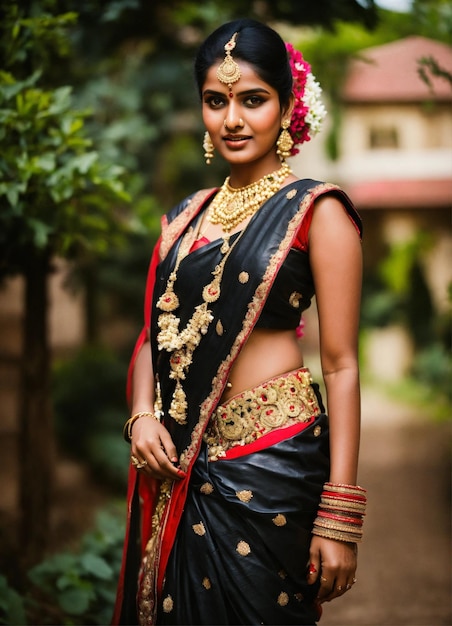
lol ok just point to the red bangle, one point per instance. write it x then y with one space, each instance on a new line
340 518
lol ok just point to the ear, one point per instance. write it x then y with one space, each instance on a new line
286 112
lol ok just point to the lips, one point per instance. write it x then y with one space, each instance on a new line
236 139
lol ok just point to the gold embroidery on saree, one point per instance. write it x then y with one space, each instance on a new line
245 495
243 548
294 299
171 231
279 520
147 594
199 529
206 489
283 599
206 583
278 403
168 604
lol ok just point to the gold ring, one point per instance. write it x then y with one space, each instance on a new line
323 579
137 463
354 580
339 588
348 586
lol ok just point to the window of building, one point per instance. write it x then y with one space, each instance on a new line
383 137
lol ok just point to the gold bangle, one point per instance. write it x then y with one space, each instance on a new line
127 430
337 535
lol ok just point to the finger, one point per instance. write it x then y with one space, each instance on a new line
160 466
337 590
326 587
313 570
169 447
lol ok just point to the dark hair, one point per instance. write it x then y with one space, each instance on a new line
256 44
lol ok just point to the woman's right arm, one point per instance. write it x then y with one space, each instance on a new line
150 440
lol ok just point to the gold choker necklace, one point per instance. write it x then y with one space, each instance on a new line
231 206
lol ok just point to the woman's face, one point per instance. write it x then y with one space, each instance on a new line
243 122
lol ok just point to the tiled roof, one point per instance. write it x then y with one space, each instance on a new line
402 194
389 73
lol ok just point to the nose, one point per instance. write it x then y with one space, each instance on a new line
232 121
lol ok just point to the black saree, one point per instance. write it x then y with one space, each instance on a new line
214 558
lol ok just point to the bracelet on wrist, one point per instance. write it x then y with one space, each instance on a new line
341 512
127 430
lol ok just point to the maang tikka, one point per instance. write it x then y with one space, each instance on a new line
229 72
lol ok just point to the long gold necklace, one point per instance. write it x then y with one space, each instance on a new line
183 342
233 205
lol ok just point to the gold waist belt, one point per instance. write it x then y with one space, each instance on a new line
278 403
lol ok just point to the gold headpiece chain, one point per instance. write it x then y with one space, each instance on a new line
229 72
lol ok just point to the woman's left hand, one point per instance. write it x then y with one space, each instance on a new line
334 563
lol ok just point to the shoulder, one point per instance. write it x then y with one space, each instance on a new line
327 199
333 202
176 221
335 224
195 199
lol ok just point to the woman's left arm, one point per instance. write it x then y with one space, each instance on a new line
336 262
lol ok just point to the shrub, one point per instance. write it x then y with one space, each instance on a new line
79 588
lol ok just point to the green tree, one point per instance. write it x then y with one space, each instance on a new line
56 198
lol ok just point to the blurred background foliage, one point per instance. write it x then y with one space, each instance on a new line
118 74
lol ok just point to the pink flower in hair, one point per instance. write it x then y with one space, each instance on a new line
309 112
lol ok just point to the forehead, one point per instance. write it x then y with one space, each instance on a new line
249 79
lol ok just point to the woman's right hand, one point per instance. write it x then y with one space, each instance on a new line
152 445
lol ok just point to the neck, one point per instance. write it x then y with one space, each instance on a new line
241 175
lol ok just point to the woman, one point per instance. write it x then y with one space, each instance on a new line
249 509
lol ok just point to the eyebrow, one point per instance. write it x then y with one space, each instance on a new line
247 92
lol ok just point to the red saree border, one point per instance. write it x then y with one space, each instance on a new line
266 441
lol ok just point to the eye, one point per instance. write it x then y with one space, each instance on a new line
254 101
214 102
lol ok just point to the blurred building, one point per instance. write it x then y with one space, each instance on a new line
395 161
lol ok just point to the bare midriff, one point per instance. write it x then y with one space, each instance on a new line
266 354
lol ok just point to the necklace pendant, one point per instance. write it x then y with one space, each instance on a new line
211 292
225 246
178 409
168 301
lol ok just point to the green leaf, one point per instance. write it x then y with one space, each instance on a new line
11 605
41 232
97 566
40 574
61 100
85 161
75 601
45 162
13 88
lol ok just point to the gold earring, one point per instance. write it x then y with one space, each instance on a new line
285 141
208 148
